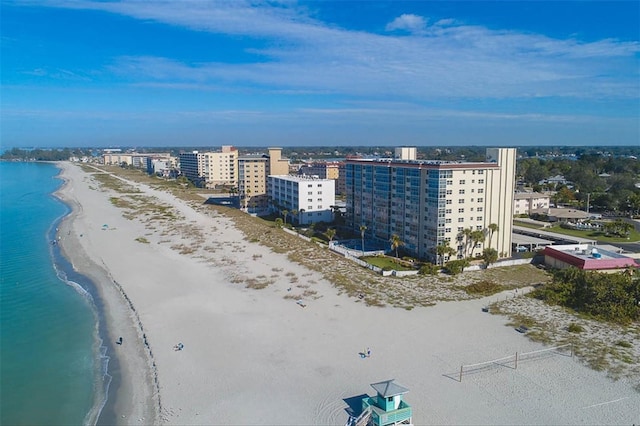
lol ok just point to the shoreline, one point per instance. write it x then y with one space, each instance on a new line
129 376
254 355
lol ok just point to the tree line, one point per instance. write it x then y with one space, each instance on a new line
609 297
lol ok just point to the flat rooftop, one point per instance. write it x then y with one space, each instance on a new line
589 257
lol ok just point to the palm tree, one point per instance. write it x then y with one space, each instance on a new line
331 232
493 228
247 196
302 214
467 239
285 212
294 213
443 250
395 243
362 230
476 237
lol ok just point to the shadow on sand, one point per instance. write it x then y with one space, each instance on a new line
354 405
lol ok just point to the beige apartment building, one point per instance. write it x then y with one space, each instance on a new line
211 168
527 202
428 203
253 172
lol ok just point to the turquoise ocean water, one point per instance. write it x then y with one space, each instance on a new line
51 370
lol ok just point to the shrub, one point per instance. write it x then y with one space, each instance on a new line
575 328
455 267
484 288
429 269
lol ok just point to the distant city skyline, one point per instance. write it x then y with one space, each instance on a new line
323 73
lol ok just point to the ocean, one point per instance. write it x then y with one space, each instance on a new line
53 370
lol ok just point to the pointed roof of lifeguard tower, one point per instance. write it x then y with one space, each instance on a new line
389 388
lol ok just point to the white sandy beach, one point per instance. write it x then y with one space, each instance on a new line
252 356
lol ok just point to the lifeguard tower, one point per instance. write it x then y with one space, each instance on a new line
387 407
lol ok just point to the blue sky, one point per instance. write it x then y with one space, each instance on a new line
258 73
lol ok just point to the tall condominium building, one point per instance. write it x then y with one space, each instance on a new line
253 171
277 165
252 182
307 199
428 203
211 168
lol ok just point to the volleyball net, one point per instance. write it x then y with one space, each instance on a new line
512 361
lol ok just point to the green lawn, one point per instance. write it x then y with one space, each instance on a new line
593 234
385 262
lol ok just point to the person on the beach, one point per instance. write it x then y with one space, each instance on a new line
368 352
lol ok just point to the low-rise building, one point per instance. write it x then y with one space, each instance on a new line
527 202
586 257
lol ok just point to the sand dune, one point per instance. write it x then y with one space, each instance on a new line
257 356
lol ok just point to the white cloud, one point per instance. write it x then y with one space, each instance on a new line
445 60
408 22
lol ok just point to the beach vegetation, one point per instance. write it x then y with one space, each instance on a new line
624 344
429 269
484 288
575 328
455 267
142 240
489 256
609 297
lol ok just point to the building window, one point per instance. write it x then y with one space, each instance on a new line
310 193
449 191
460 210
480 209
479 218
480 200
461 201
449 182
480 172
449 201
481 191
447 220
460 219
462 182
461 192
481 181
447 230
448 211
